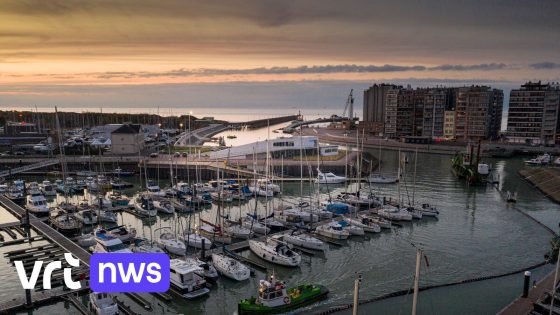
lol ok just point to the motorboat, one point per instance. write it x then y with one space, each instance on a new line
230 267
382 179
428 210
164 206
122 232
119 172
332 230
186 279
108 216
153 189
209 272
540 160
37 203
329 178
118 199
275 252
48 189
87 216
107 243
16 194
258 191
103 303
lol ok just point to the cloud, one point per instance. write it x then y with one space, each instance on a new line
545 65
325 69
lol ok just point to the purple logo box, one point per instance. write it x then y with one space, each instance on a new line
126 272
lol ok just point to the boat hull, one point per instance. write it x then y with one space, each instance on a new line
246 307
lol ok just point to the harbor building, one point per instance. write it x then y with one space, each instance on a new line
127 139
280 147
473 112
534 111
399 112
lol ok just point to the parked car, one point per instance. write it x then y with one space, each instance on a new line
177 154
184 154
154 155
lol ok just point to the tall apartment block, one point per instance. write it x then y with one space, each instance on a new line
473 113
374 108
534 114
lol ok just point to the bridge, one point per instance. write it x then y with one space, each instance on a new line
29 167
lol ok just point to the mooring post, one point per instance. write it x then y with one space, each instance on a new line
28 302
527 280
203 252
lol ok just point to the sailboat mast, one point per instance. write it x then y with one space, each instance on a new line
414 179
416 281
399 183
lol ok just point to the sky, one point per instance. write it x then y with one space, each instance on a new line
273 55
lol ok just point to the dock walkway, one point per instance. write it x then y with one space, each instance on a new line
47 231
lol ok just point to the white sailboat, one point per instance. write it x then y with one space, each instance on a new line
231 267
332 230
164 206
394 213
170 243
304 240
366 224
195 240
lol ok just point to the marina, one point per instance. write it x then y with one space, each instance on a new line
385 243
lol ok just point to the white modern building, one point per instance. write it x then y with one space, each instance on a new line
287 147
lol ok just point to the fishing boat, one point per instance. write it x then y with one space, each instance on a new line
48 189
213 232
366 224
332 230
329 178
394 213
164 206
172 244
186 279
103 303
64 222
301 239
274 297
37 203
231 267
87 216
275 252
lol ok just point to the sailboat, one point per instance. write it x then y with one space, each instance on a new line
366 224
231 267
170 243
275 252
301 239
213 232
379 178
332 230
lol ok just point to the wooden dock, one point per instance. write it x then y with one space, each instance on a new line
47 231
523 306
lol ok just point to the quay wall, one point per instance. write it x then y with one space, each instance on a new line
547 180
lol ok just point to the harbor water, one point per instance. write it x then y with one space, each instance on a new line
477 234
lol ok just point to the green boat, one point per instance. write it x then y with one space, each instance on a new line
274 297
